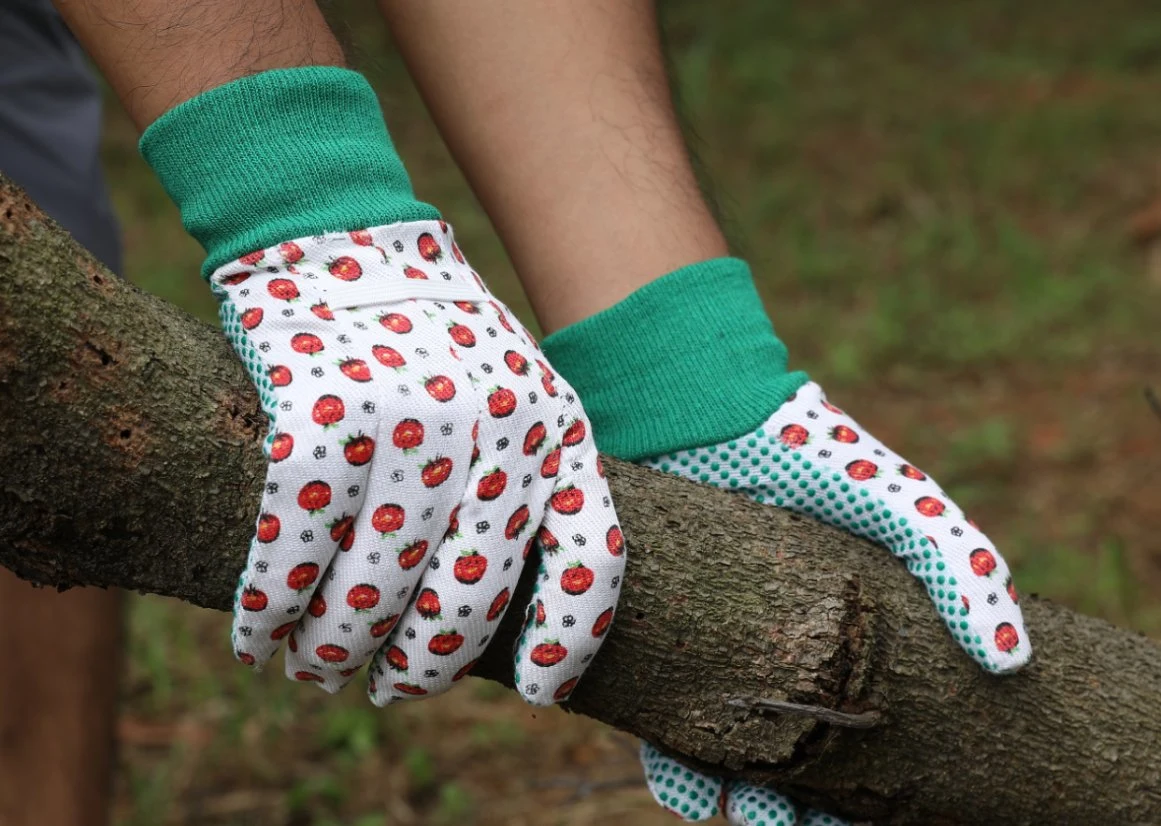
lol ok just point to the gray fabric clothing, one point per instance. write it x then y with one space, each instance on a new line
50 125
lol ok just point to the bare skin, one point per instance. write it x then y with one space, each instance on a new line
561 118
157 54
58 708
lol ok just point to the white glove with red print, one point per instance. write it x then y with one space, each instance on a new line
417 441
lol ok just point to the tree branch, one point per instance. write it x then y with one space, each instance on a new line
749 640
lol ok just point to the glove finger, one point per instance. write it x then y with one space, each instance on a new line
416 480
750 805
813 817
292 545
466 589
582 561
689 794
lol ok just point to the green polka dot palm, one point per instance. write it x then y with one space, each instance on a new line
810 457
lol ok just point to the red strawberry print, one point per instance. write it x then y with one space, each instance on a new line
549 387
794 435
568 500
492 485
252 258
576 579
468 307
342 531
302 576
418 275
408 435
308 677
252 599
459 256
362 237
355 370
551 464
516 363
445 642
541 614
345 268
328 410
603 622
831 408
498 605
453 524
469 568
565 689
314 496
967 605
463 672
282 630
934 544
331 653
322 311
436 472
410 688
429 248
844 434
929 506
861 470
503 319
244 658
600 467
396 322
363 597
358 450
548 542
548 653
396 658
912 472
268 527
575 433
282 288
280 376
983 562
501 402
388 356
413 554
388 518
440 388
307 343
382 628
234 279
534 438
461 335
291 252
1006 637
251 318
615 540
1010 587
317 606
427 604
517 522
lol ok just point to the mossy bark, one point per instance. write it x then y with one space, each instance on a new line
131 456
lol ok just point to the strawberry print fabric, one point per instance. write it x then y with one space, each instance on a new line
813 458
419 446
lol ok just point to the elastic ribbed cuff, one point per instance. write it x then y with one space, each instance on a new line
278 155
688 360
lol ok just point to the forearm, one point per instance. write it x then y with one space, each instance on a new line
561 119
157 53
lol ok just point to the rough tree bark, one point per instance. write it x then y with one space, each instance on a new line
131 456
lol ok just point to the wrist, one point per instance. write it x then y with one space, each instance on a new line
282 154
690 359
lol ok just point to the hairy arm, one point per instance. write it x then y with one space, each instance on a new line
159 53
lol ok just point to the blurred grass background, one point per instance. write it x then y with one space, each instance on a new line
952 211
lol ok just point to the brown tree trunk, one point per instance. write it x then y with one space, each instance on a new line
131 456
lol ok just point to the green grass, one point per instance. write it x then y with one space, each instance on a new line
935 199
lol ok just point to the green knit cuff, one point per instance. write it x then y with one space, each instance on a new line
686 361
279 155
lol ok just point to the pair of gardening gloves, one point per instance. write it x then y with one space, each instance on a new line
421 443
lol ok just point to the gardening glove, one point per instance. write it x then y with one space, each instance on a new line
418 440
773 436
